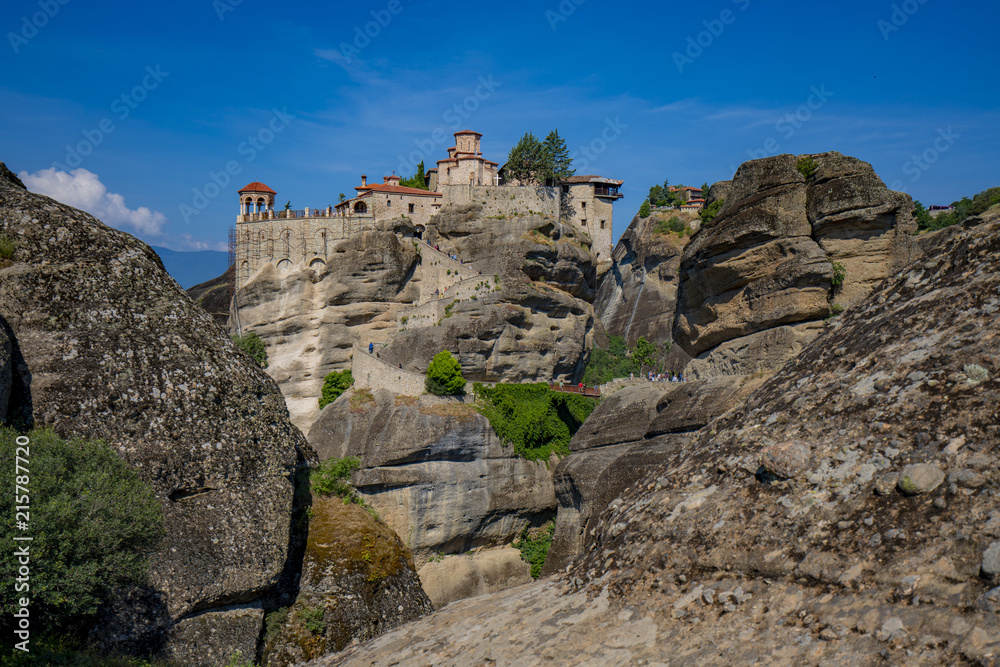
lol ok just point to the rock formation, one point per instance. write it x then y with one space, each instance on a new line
215 296
629 434
754 283
435 471
845 514
537 325
357 581
638 296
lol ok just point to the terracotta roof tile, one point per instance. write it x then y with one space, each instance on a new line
257 186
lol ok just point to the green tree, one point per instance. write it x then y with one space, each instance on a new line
645 353
330 477
526 161
335 384
606 365
444 375
419 180
558 161
342 197
705 187
93 521
254 346
645 210
709 213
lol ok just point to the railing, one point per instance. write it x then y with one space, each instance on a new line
591 392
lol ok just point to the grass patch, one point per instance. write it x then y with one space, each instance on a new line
361 400
7 246
460 411
807 167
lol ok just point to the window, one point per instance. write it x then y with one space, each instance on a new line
411 208
602 223
388 202
584 206
584 222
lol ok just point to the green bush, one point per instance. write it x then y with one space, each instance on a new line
835 309
962 209
532 418
335 384
607 365
312 619
444 375
710 212
645 210
535 550
7 247
807 167
839 274
330 477
93 521
254 346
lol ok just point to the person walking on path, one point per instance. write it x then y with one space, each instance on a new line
371 347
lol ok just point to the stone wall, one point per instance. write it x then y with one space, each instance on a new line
285 243
506 200
428 314
371 373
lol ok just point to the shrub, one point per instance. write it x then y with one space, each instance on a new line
836 309
93 521
312 619
976 373
645 210
444 375
335 384
807 167
535 549
677 225
254 346
7 247
839 274
532 418
710 212
606 365
330 477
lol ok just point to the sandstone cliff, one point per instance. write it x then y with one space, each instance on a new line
112 348
845 514
785 247
533 322
638 296
435 471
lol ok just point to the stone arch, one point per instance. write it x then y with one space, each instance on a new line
284 266
361 207
317 265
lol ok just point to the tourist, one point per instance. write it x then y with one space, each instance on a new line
371 347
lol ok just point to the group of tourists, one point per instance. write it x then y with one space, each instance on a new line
662 377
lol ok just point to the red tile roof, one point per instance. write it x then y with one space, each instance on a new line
257 186
398 189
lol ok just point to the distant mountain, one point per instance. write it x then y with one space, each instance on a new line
192 268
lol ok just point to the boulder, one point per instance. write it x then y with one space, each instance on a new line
117 351
435 471
215 296
358 581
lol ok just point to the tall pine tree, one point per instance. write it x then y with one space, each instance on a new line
418 181
527 162
559 163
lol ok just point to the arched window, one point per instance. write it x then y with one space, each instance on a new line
361 207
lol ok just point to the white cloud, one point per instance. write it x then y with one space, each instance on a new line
83 189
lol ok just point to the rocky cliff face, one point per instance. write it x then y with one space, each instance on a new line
786 247
112 348
435 471
215 296
629 434
538 327
845 514
638 296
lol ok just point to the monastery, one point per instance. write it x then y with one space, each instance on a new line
288 238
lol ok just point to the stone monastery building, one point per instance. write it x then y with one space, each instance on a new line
287 238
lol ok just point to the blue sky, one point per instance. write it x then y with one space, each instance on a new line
297 95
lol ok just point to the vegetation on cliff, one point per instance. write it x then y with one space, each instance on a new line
534 546
335 384
618 361
532 418
534 161
444 375
92 520
254 346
